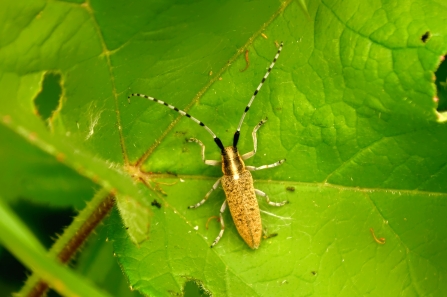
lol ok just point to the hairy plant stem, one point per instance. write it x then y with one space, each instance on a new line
73 238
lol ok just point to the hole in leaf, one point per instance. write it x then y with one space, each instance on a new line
425 37
441 85
195 289
47 101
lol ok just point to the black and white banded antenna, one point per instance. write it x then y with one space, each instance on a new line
183 113
236 135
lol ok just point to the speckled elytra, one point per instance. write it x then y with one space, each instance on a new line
237 180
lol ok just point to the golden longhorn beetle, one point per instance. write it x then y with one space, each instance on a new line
237 181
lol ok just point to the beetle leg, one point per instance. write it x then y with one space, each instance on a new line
207 162
260 193
222 225
255 141
216 184
253 168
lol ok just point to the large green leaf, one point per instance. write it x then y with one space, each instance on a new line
350 104
351 107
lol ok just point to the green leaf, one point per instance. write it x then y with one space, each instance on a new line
37 176
350 104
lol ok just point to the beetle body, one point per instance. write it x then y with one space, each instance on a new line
237 183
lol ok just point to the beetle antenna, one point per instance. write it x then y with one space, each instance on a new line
236 135
183 113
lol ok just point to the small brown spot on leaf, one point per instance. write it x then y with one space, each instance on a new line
210 218
6 119
380 240
156 203
247 62
60 157
32 136
425 37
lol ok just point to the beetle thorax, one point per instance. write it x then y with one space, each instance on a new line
232 163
